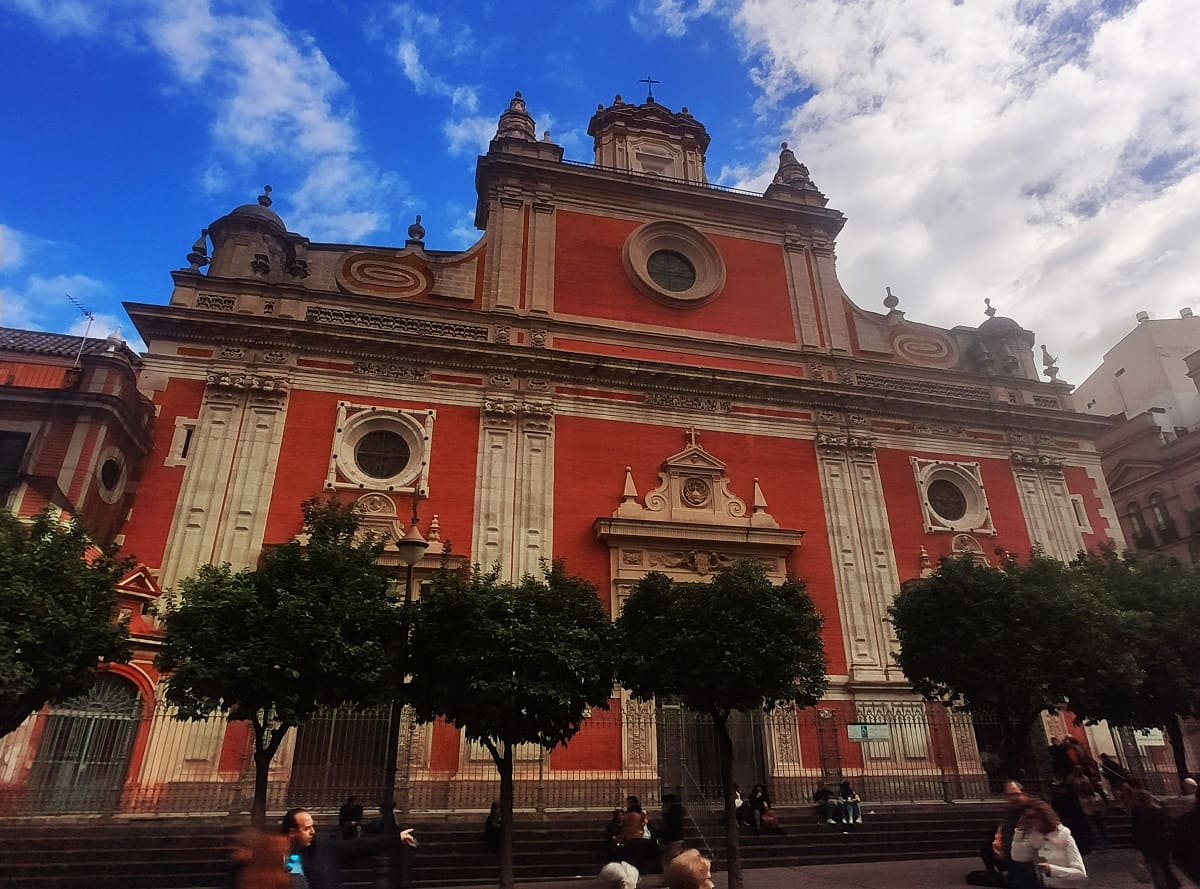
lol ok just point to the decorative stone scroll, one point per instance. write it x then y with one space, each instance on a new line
385 275
234 384
689 402
215 302
395 324
394 371
858 444
1038 461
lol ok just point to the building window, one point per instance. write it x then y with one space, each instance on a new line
947 500
674 264
12 453
380 449
1163 523
952 497
381 454
671 270
111 474
1142 538
1080 512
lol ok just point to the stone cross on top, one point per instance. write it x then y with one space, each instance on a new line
693 437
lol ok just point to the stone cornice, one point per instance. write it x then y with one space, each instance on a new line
183 324
110 405
585 183
728 536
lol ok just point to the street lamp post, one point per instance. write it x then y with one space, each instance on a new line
410 548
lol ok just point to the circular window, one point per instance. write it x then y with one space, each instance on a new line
110 474
671 270
674 264
381 454
947 500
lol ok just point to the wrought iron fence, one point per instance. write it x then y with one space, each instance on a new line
104 755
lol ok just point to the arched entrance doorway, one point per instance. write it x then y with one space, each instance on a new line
84 751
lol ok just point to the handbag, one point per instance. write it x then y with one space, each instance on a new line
769 819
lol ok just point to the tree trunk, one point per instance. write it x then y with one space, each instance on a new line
1014 739
263 754
733 850
1173 728
505 765
262 768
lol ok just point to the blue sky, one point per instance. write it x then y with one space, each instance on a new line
1038 152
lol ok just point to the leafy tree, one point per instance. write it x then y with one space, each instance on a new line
308 628
680 640
1160 602
510 664
1012 641
58 609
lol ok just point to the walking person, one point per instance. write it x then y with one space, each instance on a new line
1151 826
316 863
670 838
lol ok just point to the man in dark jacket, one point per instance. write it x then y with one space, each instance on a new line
316 863
997 852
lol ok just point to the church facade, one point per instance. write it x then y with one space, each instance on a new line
632 370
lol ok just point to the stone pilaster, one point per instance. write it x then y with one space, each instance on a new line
860 542
1046 505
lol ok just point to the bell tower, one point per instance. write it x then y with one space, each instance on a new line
649 138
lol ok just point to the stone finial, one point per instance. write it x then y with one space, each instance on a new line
629 495
199 255
516 122
114 341
264 199
416 232
791 172
990 311
435 530
891 300
760 502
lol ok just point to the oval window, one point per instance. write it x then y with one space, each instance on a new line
671 271
110 474
947 500
381 454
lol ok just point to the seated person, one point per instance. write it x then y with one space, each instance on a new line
851 803
829 806
350 817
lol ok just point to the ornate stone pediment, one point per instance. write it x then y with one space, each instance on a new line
693 488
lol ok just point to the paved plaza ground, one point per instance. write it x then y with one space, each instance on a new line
1106 870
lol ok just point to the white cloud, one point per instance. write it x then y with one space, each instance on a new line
417 31
469 135
61 17
277 98
102 325
13 248
670 17
1039 153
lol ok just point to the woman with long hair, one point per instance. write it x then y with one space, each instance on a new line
1042 840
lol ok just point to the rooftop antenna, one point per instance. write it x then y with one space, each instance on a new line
87 330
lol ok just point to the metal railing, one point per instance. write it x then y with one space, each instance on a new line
109 757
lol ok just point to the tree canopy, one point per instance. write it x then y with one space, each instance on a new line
510 663
58 614
738 642
1159 601
310 627
1011 641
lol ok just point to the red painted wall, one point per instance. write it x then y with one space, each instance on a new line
904 510
1078 482
590 280
590 460
158 489
304 460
